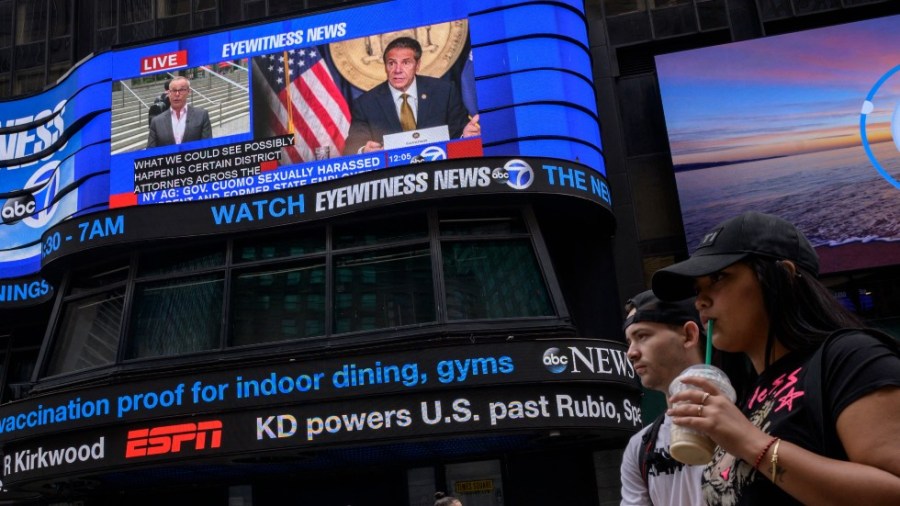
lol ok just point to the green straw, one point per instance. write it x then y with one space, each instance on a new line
709 332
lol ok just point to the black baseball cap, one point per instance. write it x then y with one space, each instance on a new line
649 308
748 234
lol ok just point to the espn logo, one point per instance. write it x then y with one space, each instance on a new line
171 438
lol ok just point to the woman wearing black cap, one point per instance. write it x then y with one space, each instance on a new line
821 423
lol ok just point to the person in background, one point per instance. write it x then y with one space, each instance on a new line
180 123
821 424
442 499
406 101
664 338
160 104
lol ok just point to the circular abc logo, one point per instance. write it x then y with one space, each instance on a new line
433 154
520 174
18 208
515 173
555 361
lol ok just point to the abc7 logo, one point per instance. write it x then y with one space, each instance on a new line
555 361
37 208
515 173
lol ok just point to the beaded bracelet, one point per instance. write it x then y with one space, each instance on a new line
774 461
763 452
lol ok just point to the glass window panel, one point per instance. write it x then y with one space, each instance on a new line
88 333
280 246
21 368
177 316
200 5
662 4
493 279
134 11
6 23
399 228
460 223
5 84
176 261
206 19
712 14
173 7
60 18
31 22
253 9
774 9
615 7
27 81
383 289
105 38
31 55
282 6
175 24
60 51
137 32
98 276
106 13
278 304
5 60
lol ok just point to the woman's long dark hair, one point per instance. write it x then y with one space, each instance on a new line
802 311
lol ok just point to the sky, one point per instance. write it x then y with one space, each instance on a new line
781 95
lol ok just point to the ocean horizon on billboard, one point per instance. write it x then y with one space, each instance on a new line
801 125
280 98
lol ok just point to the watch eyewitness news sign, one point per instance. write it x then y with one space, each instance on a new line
260 207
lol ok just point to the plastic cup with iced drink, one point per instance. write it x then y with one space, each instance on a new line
688 445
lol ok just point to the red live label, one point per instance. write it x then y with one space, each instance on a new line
169 61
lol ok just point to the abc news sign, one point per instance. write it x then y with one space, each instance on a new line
15 209
578 383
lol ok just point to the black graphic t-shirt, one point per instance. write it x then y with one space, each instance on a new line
855 364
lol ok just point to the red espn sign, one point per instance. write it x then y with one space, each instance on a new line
169 438
175 60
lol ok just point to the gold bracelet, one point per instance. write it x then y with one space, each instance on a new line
775 460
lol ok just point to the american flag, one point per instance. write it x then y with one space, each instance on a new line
303 99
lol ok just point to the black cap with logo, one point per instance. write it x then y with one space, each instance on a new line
750 233
649 308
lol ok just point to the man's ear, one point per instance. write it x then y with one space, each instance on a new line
691 334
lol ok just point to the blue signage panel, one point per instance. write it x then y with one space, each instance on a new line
288 104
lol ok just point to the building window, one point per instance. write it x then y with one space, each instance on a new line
383 289
91 326
278 303
412 271
89 331
493 279
177 306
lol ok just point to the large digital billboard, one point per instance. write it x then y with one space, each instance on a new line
586 385
805 126
278 106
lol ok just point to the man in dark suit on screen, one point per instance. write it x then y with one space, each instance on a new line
180 123
406 101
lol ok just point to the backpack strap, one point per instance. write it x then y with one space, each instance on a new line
648 443
824 424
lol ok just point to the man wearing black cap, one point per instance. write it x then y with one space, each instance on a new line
664 338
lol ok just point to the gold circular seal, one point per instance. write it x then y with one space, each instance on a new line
360 60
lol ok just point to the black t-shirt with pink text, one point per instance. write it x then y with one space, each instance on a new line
784 402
